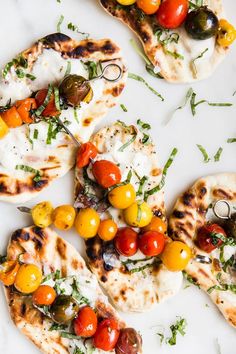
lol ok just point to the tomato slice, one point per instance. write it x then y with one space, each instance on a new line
209 237
86 152
172 13
126 241
8 272
50 109
151 243
85 324
107 334
106 173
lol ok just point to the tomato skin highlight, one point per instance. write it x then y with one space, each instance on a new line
107 334
50 110
172 13
205 237
85 324
106 173
44 295
86 152
151 243
107 230
126 241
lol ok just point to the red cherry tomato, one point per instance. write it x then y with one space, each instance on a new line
106 173
126 241
208 237
172 13
86 152
107 334
151 243
85 324
50 109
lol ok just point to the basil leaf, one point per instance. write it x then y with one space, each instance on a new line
218 154
122 106
46 101
61 19
178 327
140 79
231 140
129 142
193 62
204 153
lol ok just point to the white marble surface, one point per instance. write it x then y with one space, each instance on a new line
22 22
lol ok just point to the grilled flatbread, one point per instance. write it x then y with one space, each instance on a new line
47 250
47 62
143 283
191 211
179 60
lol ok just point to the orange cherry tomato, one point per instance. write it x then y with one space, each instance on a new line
107 229
172 13
44 295
12 117
107 334
86 152
106 173
126 241
149 7
50 110
151 243
24 107
156 224
8 272
85 324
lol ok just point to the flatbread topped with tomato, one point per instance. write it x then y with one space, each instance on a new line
122 216
184 40
50 80
193 222
56 302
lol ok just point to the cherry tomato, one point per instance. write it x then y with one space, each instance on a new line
176 256
149 7
63 217
24 108
106 173
172 13
107 229
138 215
87 222
126 241
122 197
85 324
44 295
12 118
50 110
129 342
156 224
207 238
151 243
28 278
126 2
8 272
86 152
107 334
226 33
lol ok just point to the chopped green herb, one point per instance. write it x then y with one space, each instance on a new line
41 108
187 98
26 168
94 69
77 295
36 133
49 133
74 28
218 154
178 327
231 140
7 68
196 5
68 68
76 115
140 79
61 19
143 125
57 98
142 268
19 61
234 93
129 142
20 73
162 337
69 335
194 104
190 279
122 106
164 173
31 77
204 153
57 327
165 37
229 241
193 62
223 287
174 54
141 185
78 351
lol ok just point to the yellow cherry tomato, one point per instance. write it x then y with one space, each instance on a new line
126 2
63 217
226 33
3 128
122 197
149 7
138 215
176 256
28 278
156 224
87 223
107 230
8 272
42 214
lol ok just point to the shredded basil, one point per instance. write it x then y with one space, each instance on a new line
78 351
190 279
77 295
193 62
165 37
55 276
69 335
68 68
194 104
41 108
164 173
229 241
36 133
75 28
61 19
174 54
129 142
140 269
76 115
234 93
20 73
26 168
19 61
143 125
178 327
57 98
218 154
122 106
57 327
204 153
196 5
31 77
140 79
162 337
94 69
222 287
49 133
141 185
231 140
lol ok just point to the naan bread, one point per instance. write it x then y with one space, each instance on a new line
44 248
189 214
128 291
173 69
48 60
